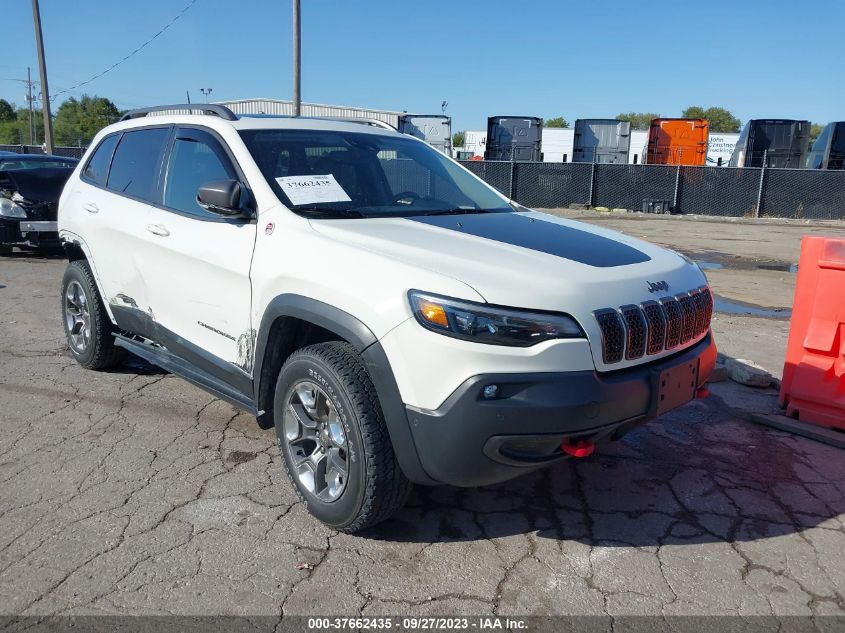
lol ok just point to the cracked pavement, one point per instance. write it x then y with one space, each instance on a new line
133 492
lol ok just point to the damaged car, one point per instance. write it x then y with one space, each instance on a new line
396 319
30 187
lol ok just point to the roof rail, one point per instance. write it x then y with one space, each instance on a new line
365 121
204 108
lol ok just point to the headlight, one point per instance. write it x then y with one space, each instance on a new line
9 209
482 323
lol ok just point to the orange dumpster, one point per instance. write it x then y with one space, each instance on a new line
813 386
677 142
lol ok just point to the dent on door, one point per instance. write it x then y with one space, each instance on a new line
130 305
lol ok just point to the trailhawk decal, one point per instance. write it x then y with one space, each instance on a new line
547 237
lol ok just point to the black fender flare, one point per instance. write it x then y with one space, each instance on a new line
354 331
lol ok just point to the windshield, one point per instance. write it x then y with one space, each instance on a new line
349 174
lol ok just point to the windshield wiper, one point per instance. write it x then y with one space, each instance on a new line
327 212
455 211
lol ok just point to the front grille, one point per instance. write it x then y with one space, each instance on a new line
656 320
636 328
43 211
612 335
634 331
688 309
707 302
675 320
698 309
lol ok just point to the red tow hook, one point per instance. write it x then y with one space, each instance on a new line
701 392
580 448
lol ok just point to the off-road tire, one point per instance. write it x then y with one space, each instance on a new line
376 487
5 250
100 352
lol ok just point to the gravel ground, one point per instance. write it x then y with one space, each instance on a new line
133 492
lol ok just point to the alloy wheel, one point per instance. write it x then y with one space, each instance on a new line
316 441
77 317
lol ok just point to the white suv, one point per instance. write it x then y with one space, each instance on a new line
394 317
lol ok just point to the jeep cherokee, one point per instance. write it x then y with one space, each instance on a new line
395 318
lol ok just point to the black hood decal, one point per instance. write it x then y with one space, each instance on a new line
547 237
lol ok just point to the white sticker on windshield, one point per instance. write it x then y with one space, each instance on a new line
312 189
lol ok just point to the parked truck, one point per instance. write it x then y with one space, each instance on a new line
434 129
601 141
677 142
516 138
773 143
829 149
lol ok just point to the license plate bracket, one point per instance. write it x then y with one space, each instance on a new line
675 386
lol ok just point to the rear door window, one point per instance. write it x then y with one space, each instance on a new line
97 169
135 166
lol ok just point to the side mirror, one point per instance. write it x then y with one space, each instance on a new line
225 197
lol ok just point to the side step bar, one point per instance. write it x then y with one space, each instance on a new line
162 358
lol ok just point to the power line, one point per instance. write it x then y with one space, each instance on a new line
133 53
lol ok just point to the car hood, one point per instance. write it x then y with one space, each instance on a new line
526 259
37 184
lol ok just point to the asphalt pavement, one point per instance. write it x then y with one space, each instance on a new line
133 492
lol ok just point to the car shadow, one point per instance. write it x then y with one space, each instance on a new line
700 474
136 365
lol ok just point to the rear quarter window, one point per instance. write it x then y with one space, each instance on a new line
135 166
97 169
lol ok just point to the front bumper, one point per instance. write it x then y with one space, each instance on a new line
472 441
29 233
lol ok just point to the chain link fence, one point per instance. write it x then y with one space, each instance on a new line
803 193
627 186
72 152
497 174
548 185
725 191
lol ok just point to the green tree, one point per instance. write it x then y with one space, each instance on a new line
459 138
557 121
9 133
7 111
719 119
638 120
694 112
815 130
16 131
78 120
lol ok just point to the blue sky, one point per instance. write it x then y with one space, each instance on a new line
545 58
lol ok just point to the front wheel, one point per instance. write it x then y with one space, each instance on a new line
88 328
333 438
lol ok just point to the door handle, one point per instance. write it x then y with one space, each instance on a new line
158 229
90 207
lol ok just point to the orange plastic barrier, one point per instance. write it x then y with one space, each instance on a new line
813 387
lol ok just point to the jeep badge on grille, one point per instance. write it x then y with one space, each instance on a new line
657 286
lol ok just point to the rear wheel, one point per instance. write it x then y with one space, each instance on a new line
334 440
88 328
5 250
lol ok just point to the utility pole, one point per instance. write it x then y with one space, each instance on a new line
42 67
206 92
29 101
297 61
